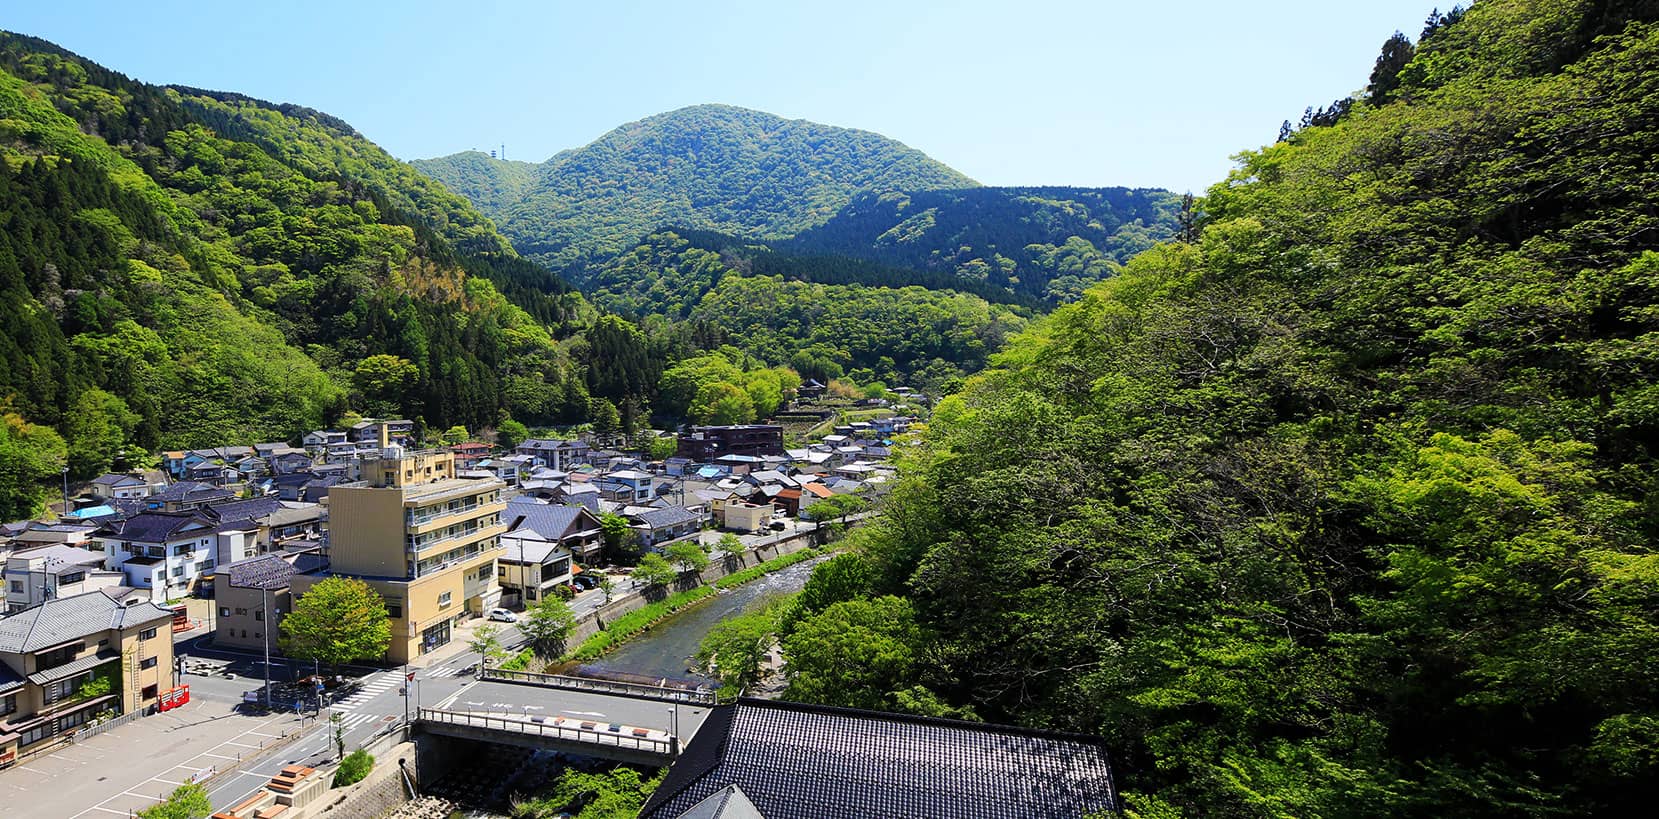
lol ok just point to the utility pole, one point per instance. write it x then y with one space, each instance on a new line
65 492
265 611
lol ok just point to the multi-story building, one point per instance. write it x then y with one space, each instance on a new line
37 575
169 552
554 453
424 539
68 661
704 444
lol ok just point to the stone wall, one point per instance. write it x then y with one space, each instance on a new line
379 793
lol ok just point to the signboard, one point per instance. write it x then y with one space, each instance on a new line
174 697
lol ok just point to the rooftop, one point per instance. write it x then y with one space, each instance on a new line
56 622
796 761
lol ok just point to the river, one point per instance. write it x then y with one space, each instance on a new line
665 650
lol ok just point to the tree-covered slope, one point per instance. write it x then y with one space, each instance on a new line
709 167
1346 507
1038 243
491 184
184 268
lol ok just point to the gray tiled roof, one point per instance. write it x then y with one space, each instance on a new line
269 571
551 521
796 761
58 621
156 527
61 559
663 518
73 667
9 680
727 803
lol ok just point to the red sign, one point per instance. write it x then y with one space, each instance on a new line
174 697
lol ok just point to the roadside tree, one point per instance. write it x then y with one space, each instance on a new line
340 620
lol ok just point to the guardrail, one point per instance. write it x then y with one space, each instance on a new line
562 728
670 693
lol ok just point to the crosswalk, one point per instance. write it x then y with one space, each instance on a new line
372 688
351 721
445 671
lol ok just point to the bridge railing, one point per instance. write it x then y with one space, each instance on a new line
694 696
597 735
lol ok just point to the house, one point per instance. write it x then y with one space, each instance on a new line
769 758
811 390
318 440
110 486
244 591
739 464
554 453
70 660
290 522
676 465
468 453
656 528
541 543
164 552
46 534
187 495
288 463
289 486
380 433
34 576
629 485
711 442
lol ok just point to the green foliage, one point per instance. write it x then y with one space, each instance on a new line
98 427
835 506
616 532
29 455
98 686
661 448
735 649
546 624
707 166
509 433
653 570
618 793
1343 505
486 641
185 802
353 768
338 620
687 556
760 569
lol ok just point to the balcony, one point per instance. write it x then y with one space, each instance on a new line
434 518
470 533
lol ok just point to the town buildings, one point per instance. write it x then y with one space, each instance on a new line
423 539
67 661
709 443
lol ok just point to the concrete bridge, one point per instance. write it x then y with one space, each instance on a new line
571 715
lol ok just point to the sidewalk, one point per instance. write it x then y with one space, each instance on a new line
135 765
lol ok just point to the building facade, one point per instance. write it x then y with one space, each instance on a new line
704 444
72 660
423 539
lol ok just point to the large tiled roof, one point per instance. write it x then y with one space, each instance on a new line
55 622
798 761
269 571
250 509
549 520
662 518
155 527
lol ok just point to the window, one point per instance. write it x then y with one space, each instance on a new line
394 608
72 577
443 599
178 571
224 611
149 692
181 549
147 634
241 611
259 615
8 704
147 662
17 587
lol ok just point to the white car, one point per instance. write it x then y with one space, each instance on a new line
503 616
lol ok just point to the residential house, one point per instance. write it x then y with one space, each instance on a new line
554 453
628 485
34 576
318 440
382 432
245 590
187 495
469 453
289 463
164 552
741 516
292 522
110 486
289 486
423 539
47 534
542 542
66 661
656 528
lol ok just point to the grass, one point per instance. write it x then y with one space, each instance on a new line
620 629
776 563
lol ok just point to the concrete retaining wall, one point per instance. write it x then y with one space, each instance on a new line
380 792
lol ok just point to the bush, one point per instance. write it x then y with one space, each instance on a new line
776 563
635 621
353 768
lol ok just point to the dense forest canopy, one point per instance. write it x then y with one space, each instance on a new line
1344 507
707 167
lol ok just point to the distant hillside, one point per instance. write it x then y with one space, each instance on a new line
708 167
1039 243
489 183
181 267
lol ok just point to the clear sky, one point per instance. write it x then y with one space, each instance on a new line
1155 94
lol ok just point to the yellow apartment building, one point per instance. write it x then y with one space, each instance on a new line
424 539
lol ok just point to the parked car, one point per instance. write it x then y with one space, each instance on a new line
584 582
503 616
778 526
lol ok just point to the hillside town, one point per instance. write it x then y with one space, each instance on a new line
97 588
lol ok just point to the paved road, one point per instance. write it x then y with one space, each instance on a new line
512 699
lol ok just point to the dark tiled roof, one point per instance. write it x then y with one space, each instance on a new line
155 527
70 669
810 762
244 509
190 491
55 622
549 520
663 518
262 572
9 680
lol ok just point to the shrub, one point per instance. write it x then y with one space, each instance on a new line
353 768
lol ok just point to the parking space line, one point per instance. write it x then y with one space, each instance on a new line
220 756
136 793
110 810
239 744
168 781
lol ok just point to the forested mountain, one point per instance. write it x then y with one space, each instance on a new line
1038 243
1344 507
707 167
490 183
183 267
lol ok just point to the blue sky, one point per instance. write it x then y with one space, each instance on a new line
1010 93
